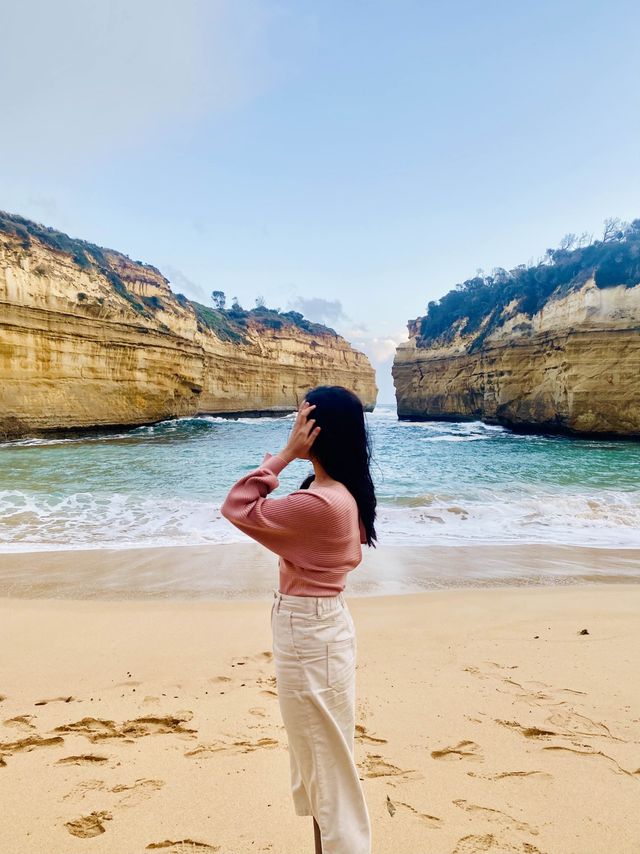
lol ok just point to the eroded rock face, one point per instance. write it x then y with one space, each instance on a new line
84 345
574 367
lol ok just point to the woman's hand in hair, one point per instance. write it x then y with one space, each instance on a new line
303 434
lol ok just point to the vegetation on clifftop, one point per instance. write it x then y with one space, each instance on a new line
228 324
221 320
477 305
86 255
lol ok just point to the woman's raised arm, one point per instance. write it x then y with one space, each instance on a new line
282 525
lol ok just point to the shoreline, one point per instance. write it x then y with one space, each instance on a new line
525 428
249 572
90 431
502 719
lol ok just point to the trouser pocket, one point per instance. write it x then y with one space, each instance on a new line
340 662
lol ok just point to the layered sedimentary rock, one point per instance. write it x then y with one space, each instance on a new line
90 338
572 367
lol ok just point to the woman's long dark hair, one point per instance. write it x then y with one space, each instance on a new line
343 447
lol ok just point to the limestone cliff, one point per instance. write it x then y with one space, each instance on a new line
571 366
90 338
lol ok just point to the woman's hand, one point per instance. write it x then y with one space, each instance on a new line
303 434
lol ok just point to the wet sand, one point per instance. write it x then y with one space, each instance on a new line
488 720
248 571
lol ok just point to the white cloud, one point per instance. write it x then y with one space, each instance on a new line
357 330
319 310
381 349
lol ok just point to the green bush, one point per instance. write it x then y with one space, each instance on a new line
86 255
229 324
476 305
218 323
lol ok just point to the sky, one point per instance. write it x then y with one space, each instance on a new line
350 160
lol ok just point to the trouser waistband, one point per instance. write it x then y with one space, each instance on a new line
308 604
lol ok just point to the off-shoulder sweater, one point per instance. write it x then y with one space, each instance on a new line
317 532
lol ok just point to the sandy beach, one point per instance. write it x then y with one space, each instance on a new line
497 719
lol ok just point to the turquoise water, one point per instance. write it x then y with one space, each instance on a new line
439 483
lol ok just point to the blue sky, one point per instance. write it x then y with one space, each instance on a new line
351 160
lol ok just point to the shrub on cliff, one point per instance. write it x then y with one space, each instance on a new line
86 255
233 321
476 305
229 324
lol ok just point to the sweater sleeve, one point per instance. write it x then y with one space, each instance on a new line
279 524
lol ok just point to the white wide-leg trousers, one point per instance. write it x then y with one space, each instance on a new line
314 648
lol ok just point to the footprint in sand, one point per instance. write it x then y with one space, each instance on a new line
83 759
97 729
137 792
68 699
88 825
258 711
533 692
132 794
375 765
508 775
474 844
259 658
170 724
81 789
492 814
528 731
590 752
22 722
26 745
461 750
270 681
239 746
573 723
430 820
217 679
183 846
363 735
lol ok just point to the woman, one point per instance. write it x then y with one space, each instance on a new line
317 531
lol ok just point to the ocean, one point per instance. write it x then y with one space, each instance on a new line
438 483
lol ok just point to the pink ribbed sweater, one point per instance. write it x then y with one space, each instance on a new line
316 532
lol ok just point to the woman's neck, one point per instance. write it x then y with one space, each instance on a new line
321 477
